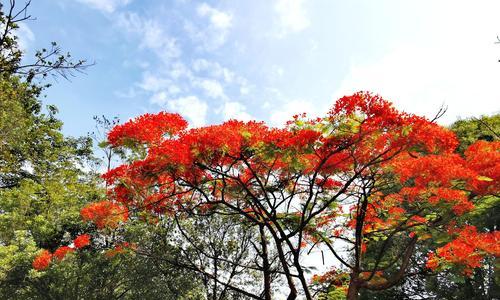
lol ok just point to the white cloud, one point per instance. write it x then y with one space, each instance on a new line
213 35
244 90
179 69
292 15
219 19
276 72
457 65
160 98
107 6
152 35
202 65
212 88
156 39
130 93
235 110
25 35
153 83
190 107
162 87
130 22
214 69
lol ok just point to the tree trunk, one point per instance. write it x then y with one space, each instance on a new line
302 278
293 294
293 290
266 266
214 295
353 291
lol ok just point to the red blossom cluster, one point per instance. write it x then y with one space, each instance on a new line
61 252
468 249
44 258
484 158
105 214
82 241
363 138
120 248
148 128
42 261
335 277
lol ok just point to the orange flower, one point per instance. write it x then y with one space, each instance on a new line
42 261
82 241
432 261
148 128
61 252
468 249
105 214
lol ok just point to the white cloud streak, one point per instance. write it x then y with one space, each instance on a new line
106 6
152 35
292 16
25 35
219 19
212 88
235 110
213 35
191 107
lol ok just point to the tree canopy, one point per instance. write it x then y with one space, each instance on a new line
366 178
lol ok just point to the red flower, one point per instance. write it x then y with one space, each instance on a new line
469 248
82 241
148 129
105 214
42 261
432 261
61 252
484 158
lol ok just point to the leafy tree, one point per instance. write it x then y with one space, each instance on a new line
469 131
44 183
366 178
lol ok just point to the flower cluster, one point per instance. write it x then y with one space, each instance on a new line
148 128
42 261
468 249
61 252
120 249
415 173
105 214
82 241
45 257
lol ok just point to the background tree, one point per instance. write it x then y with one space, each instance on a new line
44 183
47 60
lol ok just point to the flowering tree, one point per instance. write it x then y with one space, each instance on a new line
364 178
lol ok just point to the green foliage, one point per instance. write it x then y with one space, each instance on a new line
45 180
42 183
470 130
43 186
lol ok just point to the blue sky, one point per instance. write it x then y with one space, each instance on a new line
268 59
